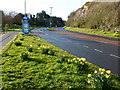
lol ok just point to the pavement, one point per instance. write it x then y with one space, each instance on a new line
6 38
100 51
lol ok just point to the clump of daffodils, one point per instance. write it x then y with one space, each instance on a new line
81 61
99 78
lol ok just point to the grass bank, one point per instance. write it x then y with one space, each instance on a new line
14 27
31 63
93 31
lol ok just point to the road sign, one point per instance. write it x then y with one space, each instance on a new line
50 23
25 25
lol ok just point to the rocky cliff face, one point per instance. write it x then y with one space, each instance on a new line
96 15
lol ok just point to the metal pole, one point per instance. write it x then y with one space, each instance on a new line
51 11
25 6
50 15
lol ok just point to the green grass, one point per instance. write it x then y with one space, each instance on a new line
41 68
11 27
14 27
52 28
93 31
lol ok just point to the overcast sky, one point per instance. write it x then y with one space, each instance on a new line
61 8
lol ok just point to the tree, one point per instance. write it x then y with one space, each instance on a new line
17 19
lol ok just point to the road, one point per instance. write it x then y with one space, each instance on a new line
4 39
101 54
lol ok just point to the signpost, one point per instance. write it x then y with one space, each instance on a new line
25 25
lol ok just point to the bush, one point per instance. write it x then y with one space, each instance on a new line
24 55
116 34
61 58
5 54
48 51
21 39
30 48
17 43
38 44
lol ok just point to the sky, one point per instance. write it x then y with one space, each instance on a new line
61 8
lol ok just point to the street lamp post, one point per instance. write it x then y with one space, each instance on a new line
50 16
25 6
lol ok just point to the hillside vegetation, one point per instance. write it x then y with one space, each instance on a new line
96 15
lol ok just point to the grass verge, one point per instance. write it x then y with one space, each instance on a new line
93 31
51 29
31 63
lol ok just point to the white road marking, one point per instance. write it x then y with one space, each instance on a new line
114 56
98 50
86 46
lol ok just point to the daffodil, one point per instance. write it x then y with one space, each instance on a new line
83 59
75 61
89 75
89 81
79 59
69 60
81 63
74 58
100 69
95 71
108 71
107 76
103 70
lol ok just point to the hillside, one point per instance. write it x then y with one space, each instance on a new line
96 15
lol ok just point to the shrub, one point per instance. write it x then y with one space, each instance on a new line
24 55
5 54
38 44
61 58
48 51
29 48
116 34
17 43
21 39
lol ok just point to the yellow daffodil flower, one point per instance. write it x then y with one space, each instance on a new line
83 59
95 71
74 58
75 61
103 70
81 63
89 81
108 71
89 75
100 69
107 76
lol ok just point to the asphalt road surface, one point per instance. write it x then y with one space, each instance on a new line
4 39
101 54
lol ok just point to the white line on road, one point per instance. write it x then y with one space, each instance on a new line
86 46
114 56
98 50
